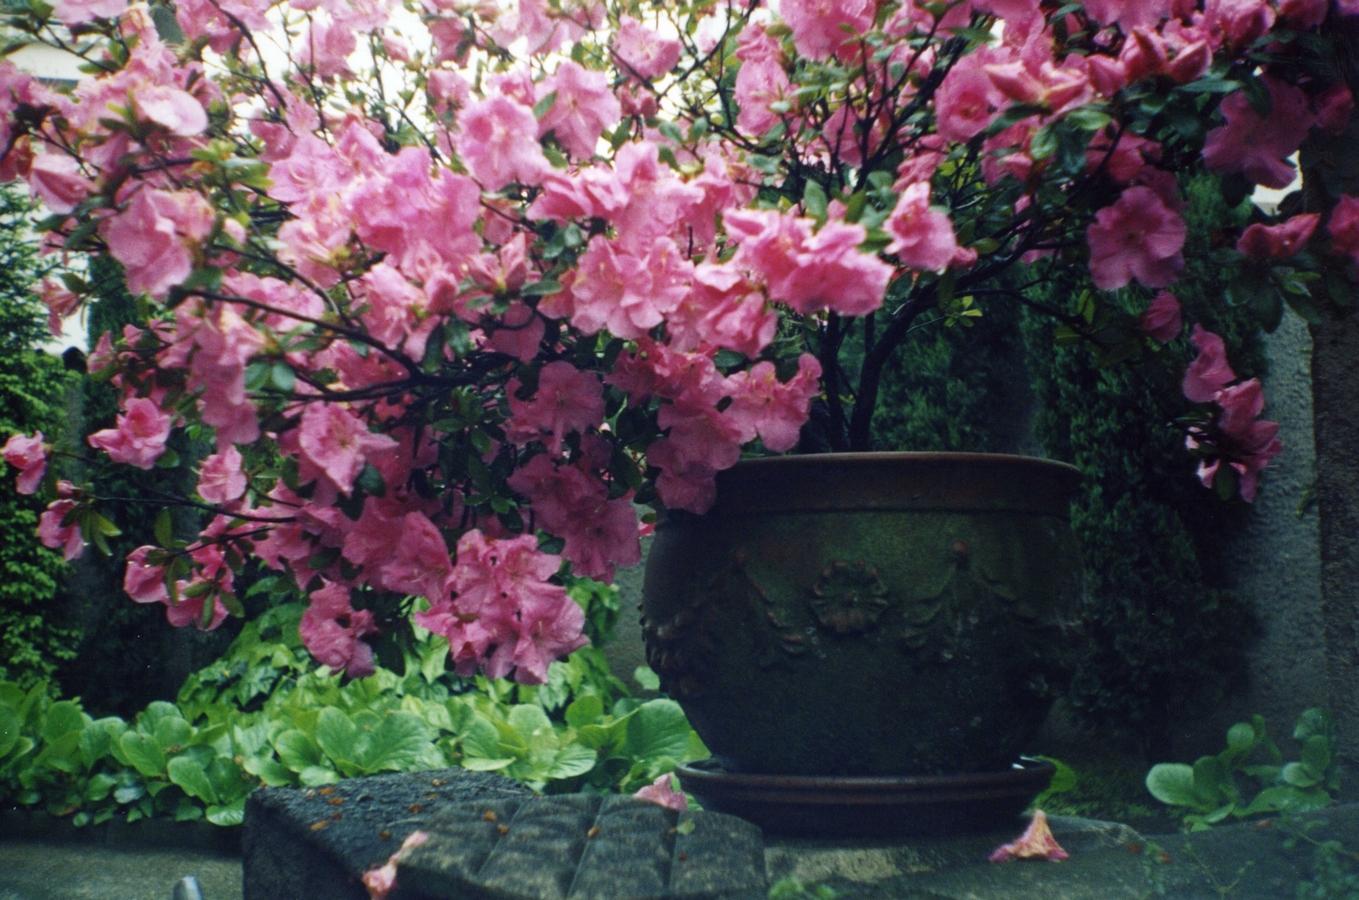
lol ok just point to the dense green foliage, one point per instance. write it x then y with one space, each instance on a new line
33 638
265 713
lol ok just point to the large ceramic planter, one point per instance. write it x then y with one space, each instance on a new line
867 614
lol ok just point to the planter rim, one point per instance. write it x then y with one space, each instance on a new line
900 481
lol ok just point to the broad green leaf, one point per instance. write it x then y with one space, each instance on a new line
98 787
62 754
1242 737
480 764
63 717
658 729
95 741
1172 783
1299 775
572 760
646 679
270 771
143 752
315 776
231 814
397 744
9 730
586 710
297 751
191 777
1316 754
173 733
480 738
338 736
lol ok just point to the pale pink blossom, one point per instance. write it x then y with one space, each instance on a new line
381 880
60 303
822 27
139 437
57 536
545 630
643 52
967 101
220 478
421 563
662 792
78 12
499 143
1162 321
56 179
154 236
171 108
331 629
29 456
774 410
1036 842
584 107
760 82
1138 237
1209 372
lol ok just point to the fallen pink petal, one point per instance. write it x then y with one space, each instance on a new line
1036 842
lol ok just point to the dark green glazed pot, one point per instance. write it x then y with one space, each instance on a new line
878 614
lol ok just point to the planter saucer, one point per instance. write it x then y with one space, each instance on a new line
840 806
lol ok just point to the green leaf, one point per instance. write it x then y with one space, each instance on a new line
572 760
164 529
192 778
1173 784
814 200
478 764
63 717
9 731
586 710
296 750
283 377
1088 119
658 729
62 754
646 679
338 736
172 731
315 776
1316 755
144 753
229 815
671 131
541 108
397 744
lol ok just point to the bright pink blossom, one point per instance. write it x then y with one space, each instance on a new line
60 303
154 236
967 101
644 52
1333 108
78 12
420 564
29 456
567 401
661 791
774 410
922 236
1162 321
1343 227
1209 372
143 582
56 179
140 435
338 443
1278 241
1138 237
381 880
1257 146
332 630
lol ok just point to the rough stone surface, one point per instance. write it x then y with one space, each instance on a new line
583 847
304 844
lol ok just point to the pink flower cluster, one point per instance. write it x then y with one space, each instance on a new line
1237 435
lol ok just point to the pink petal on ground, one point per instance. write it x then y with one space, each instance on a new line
1036 842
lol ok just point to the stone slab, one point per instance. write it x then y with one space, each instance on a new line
310 843
583 847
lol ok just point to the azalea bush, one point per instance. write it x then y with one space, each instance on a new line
452 289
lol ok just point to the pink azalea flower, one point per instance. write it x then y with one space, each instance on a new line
29 456
546 630
822 27
584 108
220 479
1162 320
774 410
1240 438
172 109
1209 372
59 301
1256 146
567 400
1343 227
689 458
1278 241
57 536
922 236
55 178
331 630
1138 237
644 52
1302 14
661 791
1333 108
760 82
381 880
77 12
420 564
139 438
143 582
152 238
499 143
967 101
1036 842
338 443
